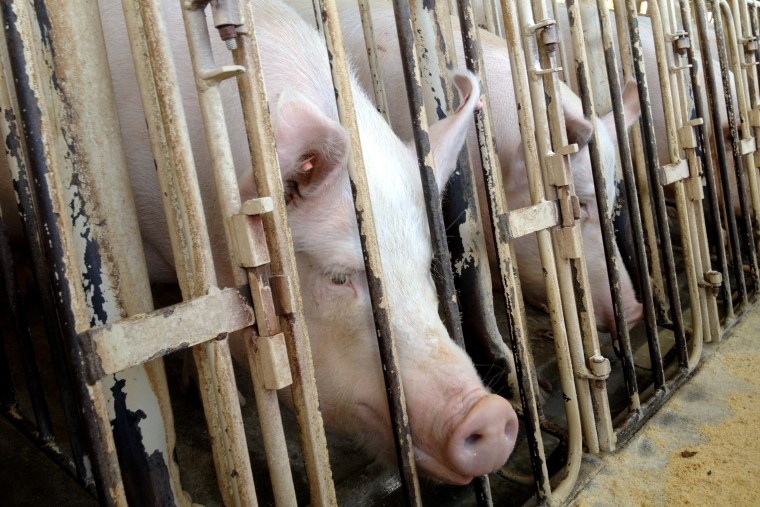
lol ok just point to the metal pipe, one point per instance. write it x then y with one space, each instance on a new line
381 312
498 208
18 163
266 173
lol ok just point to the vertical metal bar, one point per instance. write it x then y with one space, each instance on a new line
23 337
18 163
189 238
381 100
659 200
505 251
447 295
708 169
624 148
530 62
268 182
722 15
268 324
19 34
380 310
713 95
671 106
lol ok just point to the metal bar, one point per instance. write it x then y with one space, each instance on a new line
269 183
37 130
189 239
659 200
18 163
125 343
447 295
505 251
722 15
381 100
386 339
24 338
691 262
713 98
222 164
562 310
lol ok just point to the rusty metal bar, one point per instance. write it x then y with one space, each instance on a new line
210 75
659 198
722 15
505 250
31 95
444 281
123 344
17 160
282 262
381 99
556 280
711 91
381 313
672 109
189 238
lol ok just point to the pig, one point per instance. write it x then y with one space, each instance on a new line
509 144
593 38
460 430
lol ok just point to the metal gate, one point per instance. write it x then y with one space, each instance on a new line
684 194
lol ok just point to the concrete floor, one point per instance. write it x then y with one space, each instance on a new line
703 446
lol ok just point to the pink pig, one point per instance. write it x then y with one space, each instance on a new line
460 430
509 143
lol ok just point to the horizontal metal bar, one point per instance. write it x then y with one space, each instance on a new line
530 219
136 340
671 173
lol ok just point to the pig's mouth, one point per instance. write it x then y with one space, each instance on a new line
434 469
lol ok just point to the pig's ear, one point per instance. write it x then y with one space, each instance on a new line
631 109
310 146
579 129
447 136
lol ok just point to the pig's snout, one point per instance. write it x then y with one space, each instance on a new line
484 438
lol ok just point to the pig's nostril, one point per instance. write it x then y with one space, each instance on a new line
472 440
484 438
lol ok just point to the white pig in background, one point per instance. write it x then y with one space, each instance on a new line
460 430
509 144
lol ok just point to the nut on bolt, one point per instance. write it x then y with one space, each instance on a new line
228 34
550 38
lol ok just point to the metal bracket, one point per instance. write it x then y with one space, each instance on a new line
569 241
248 232
670 173
599 366
556 174
270 361
713 281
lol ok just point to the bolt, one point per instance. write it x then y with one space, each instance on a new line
228 34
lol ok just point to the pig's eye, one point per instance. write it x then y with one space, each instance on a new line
584 210
339 279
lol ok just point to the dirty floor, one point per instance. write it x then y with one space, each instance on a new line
703 446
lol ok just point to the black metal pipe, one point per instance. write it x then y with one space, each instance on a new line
741 182
33 132
29 365
713 104
650 142
442 272
40 272
522 354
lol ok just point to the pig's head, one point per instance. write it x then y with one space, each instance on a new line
579 131
460 430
